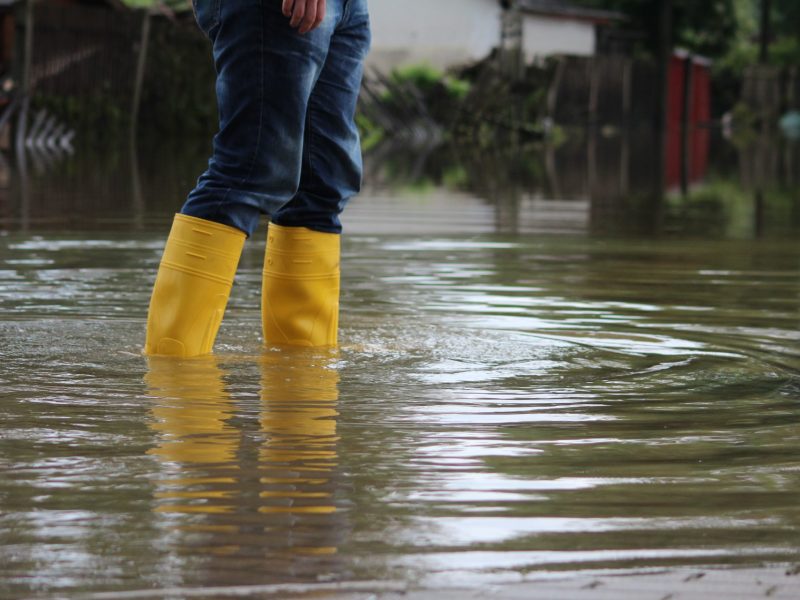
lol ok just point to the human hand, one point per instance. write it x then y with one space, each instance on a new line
304 15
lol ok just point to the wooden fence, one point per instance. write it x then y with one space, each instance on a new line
83 51
85 60
94 67
602 89
771 91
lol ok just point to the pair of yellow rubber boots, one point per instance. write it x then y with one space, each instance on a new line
300 293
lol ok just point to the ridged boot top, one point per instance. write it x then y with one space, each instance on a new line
300 253
204 248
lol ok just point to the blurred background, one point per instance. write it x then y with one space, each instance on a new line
599 116
570 323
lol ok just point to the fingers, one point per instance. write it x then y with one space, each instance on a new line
304 15
298 12
311 22
309 16
320 13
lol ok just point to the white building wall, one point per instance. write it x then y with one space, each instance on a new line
442 33
543 36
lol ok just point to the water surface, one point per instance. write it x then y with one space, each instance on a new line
502 402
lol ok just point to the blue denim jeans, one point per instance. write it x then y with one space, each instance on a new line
287 145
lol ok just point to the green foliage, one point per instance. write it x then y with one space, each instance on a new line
785 18
727 31
501 109
723 207
706 28
173 4
784 49
455 177
370 132
785 52
745 122
724 30
440 94
557 136
457 88
430 80
424 76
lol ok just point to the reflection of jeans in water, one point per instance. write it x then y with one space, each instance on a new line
287 145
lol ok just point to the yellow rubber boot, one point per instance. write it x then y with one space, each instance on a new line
300 294
192 287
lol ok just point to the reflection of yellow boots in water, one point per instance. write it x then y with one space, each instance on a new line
192 287
196 443
299 458
300 295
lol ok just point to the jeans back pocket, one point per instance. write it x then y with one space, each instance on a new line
206 13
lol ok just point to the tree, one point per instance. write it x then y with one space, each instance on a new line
707 28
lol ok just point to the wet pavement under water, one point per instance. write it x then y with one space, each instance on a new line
546 398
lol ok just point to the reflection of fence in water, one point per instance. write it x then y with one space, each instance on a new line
112 190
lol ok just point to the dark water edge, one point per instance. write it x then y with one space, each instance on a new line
600 183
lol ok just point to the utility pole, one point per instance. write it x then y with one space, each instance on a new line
664 57
511 41
660 118
765 33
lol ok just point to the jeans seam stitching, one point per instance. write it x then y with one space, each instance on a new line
310 113
311 136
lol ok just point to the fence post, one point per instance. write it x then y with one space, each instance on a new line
627 90
594 88
555 86
512 59
626 127
141 63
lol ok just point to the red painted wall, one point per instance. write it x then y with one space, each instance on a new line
699 114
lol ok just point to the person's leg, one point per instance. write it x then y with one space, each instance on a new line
300 296
265 73
331 160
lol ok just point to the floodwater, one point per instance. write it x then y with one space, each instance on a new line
522 386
